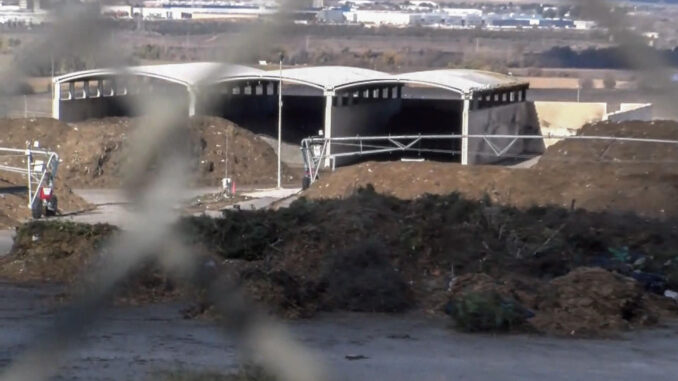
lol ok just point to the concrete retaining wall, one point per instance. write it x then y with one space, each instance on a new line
632 111
513 119
570 115
566 118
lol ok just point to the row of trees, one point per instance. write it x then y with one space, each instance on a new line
617 57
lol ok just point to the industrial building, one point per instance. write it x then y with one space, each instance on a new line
339 101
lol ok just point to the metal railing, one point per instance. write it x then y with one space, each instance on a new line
37 171
315 149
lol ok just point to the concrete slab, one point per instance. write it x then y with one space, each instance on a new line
113 205
273 192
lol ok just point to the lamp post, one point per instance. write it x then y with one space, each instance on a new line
280 104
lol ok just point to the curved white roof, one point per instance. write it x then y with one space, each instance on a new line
460 79
327 78
320 77
457 80
188 74
330 77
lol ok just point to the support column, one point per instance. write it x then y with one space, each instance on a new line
328 125
192 100
56 99
465 129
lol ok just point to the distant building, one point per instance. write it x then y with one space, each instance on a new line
331 16
584 24
556 23
179 11
373 17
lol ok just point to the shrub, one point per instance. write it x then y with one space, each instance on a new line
486 312
362 279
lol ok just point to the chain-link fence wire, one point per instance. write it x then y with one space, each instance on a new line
161 143
77 31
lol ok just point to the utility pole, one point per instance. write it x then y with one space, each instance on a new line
280 105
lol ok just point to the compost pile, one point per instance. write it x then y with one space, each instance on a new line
94 152
14 201
563 272
54 251
619 177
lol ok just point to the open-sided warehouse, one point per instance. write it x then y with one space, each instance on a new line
339 101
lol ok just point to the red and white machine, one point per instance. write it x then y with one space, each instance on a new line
40 169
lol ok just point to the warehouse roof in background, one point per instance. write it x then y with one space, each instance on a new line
460 80
188 74
327 78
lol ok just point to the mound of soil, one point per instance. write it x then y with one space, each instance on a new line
14 201
94 152
53 251
371 252
598 176
620 152
588 301
585 302
67 252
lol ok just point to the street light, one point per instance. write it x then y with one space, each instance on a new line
280 104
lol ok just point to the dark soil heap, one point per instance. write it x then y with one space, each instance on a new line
595 175
55 251
570 272
94 152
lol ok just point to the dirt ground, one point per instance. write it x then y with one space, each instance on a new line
620 177
138 343
577 273
94 153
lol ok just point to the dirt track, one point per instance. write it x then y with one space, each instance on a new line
131 343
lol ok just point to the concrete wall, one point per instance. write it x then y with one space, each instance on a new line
570 115
566 118
513 119
632 111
